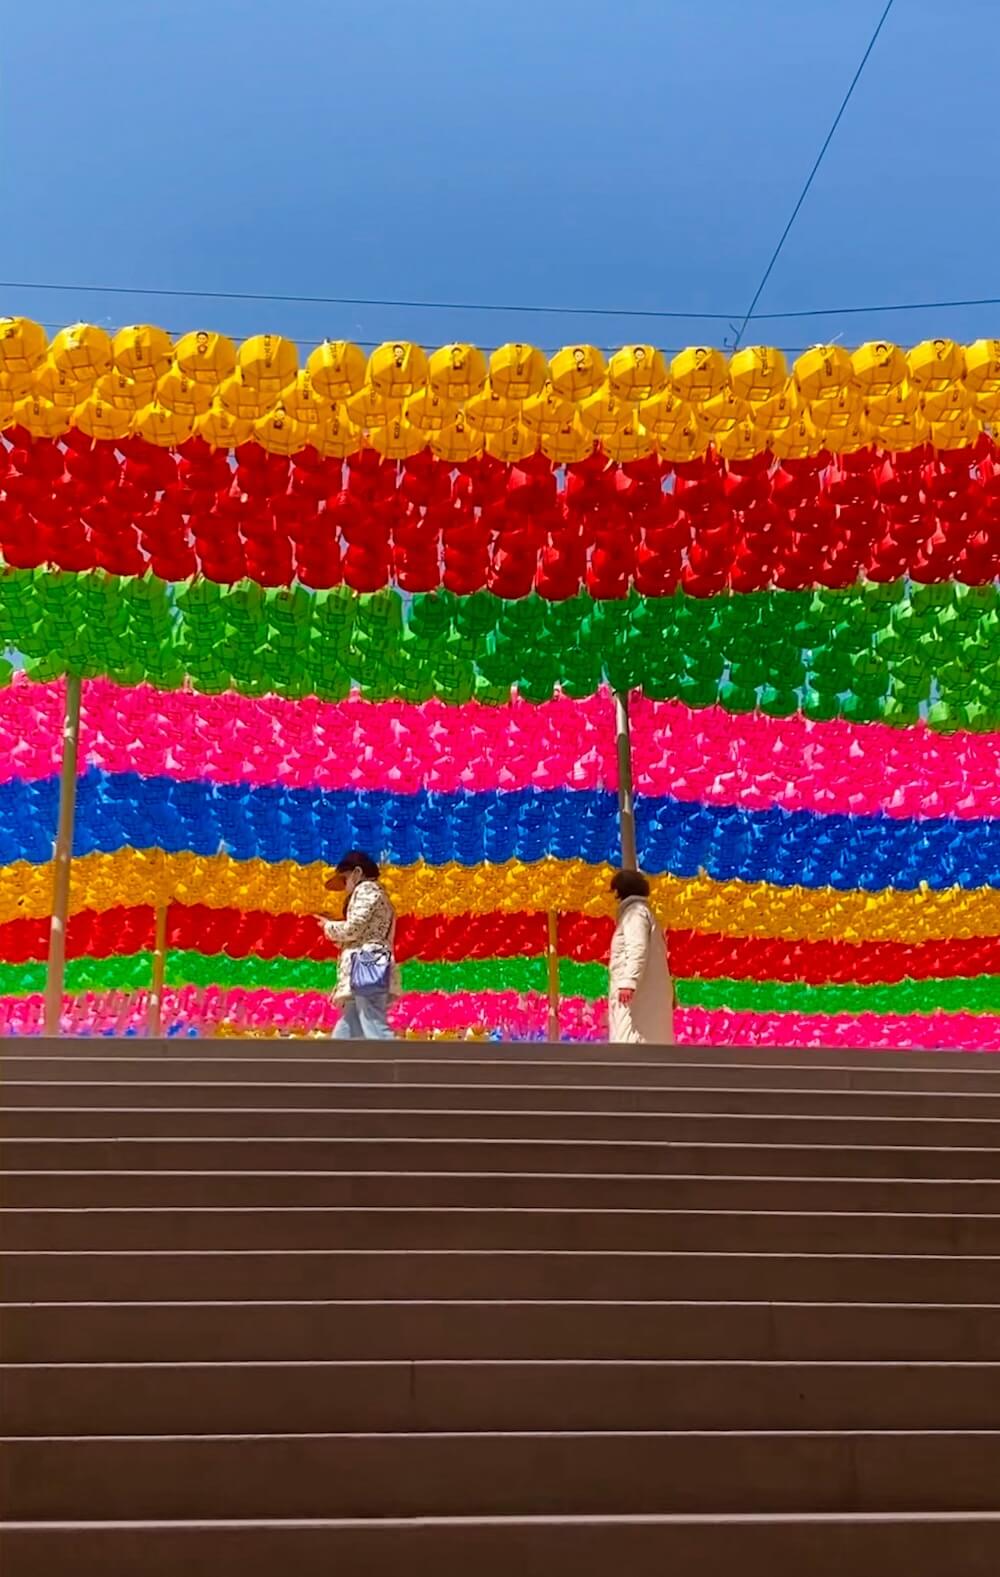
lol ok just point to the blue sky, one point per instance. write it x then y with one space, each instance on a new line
644 154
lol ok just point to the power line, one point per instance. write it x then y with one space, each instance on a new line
812 173
900 306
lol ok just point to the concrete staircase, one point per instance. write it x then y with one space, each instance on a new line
301 1308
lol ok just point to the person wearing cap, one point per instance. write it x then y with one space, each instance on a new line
641 992
367 976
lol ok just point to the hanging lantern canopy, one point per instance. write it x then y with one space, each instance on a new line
546 412
457 372
222 427
878 367
513 444
161 426
637 372
205 358
396 369
699 373
23 346
492 412
576 371
267 363
398 439
337 369
430 410
823 372
183 394
458 442
82 352
935 363
757 372
517 371
142 352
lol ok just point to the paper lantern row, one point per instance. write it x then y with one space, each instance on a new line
876 651
275 824
400 400
511 529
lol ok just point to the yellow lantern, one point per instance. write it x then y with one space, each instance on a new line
267 363
631 442
982 367
370 407
823 372
430 411
457 443
723 412
337 369
396 369
492 412
513 444
687 441
576 371
699 373
244 401
457 372
987 405
338 436
741 442
206 358
161 426
517 371
398 439
302 402
43 418
183 394
279 433
780 411
142 352
902 435
23 345
98 418
947 404
637 372
8 400
546 412
935 363
81 353
895 407
796 441
62 388
116 388
604 413
837 412
957 434
221 427
571 444
757 372
878 367
857 434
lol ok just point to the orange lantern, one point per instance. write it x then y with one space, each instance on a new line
457 443
604 413
43 418
982 367
62 388
741 441
796 441
99 418
895 407
116 388
570 444
958 434
23 346
158 425
878 367
757 373
687 441
336 436
81 353
699 373
631 442
302 402
517 371
457 372
513 444
723 412
947 404
398 439
837 412
546 412
396 369
183 394
279 433
371 407
430 411
222 427
206 358
935 363
780 411
142 352
337 369
492 412
267 364
576 371
244 401
823 372
637 372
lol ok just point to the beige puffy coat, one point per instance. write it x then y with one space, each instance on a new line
369 922
639 963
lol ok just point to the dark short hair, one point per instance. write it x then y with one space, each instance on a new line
357 860
630 884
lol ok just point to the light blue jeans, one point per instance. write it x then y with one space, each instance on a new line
364 1018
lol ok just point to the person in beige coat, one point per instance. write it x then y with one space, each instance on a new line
641 1000
365 937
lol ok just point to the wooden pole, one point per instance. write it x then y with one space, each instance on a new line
62 857
154 1026
553 1027
626 809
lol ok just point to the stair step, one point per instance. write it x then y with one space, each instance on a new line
467 1274
370 1475
556 1157
51 1190
434 1395
143 1332
166 1229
